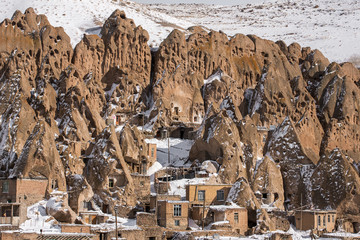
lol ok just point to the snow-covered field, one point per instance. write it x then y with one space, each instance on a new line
331 26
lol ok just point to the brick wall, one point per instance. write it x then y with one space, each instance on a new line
160 197
5 196
210 194
310 220
135 234
241 226
142 187
72 228
167 217
146 219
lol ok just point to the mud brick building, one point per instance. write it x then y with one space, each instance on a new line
315 219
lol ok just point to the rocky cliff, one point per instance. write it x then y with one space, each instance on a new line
281 121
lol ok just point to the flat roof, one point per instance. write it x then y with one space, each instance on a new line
173 201
316 211
225 207
9 204
204 184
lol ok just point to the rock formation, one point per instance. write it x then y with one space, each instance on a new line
279 122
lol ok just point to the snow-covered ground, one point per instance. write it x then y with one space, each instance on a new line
87 16
38 219
331 26
295 234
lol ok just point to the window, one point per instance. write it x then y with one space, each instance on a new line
324 220
177 210
333 218
328 218
152 152
5 187
111 183
220 195
177 222
264 195
177 110
201 195
87 205
54 184
236 217
319 220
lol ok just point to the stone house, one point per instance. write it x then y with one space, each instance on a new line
148 223
173 214
142 187
16 195
222 217
235 216
207 194
161 197
315 219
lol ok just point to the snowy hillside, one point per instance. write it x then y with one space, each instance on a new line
87 16
329 25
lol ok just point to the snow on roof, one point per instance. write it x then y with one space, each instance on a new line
177 187
173 201
223 208
206 184
221 223
317 211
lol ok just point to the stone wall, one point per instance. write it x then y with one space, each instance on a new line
146 219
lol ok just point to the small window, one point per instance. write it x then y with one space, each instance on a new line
111 183
333 218
142 183
236 217
177 222
177 110
319 220
220 195
328 218
87 205
54 184
177 210
264 195
324 220
5 187
201 195
152 152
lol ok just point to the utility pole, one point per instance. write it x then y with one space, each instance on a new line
168 138
116 228
203 214
301 213
167 168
